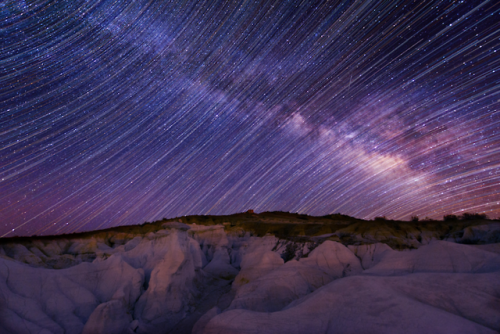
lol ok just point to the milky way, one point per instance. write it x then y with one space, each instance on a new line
117 112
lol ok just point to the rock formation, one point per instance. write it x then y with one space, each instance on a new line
230 276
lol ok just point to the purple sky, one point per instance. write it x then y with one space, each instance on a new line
117 113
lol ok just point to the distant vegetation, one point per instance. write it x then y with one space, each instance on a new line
446 218
466 216
292 225
297 229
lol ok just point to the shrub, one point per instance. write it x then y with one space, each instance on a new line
414 218
450 218
473 216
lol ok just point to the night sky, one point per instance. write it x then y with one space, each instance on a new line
119 112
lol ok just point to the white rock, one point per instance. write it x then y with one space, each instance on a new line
22 254
53 247
38 253
199 327
280 287
438 256
418 303
482 233
79 246
62 261
110 279
211 238
370 254
162 233
219 266
283 284
256 264
172 285
108 318
132 243
494 248
250 245
441 287
62 300
334 258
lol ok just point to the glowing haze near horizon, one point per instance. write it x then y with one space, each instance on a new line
118 112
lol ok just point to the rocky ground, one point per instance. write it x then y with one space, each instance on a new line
247 273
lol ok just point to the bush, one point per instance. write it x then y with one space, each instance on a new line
414 218
450 218
379 219
473 216
466 216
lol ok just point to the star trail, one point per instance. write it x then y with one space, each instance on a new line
119 112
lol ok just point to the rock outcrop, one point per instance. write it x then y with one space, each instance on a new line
220 278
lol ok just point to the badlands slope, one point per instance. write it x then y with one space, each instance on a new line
256 273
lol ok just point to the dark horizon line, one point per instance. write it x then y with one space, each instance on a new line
466 216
